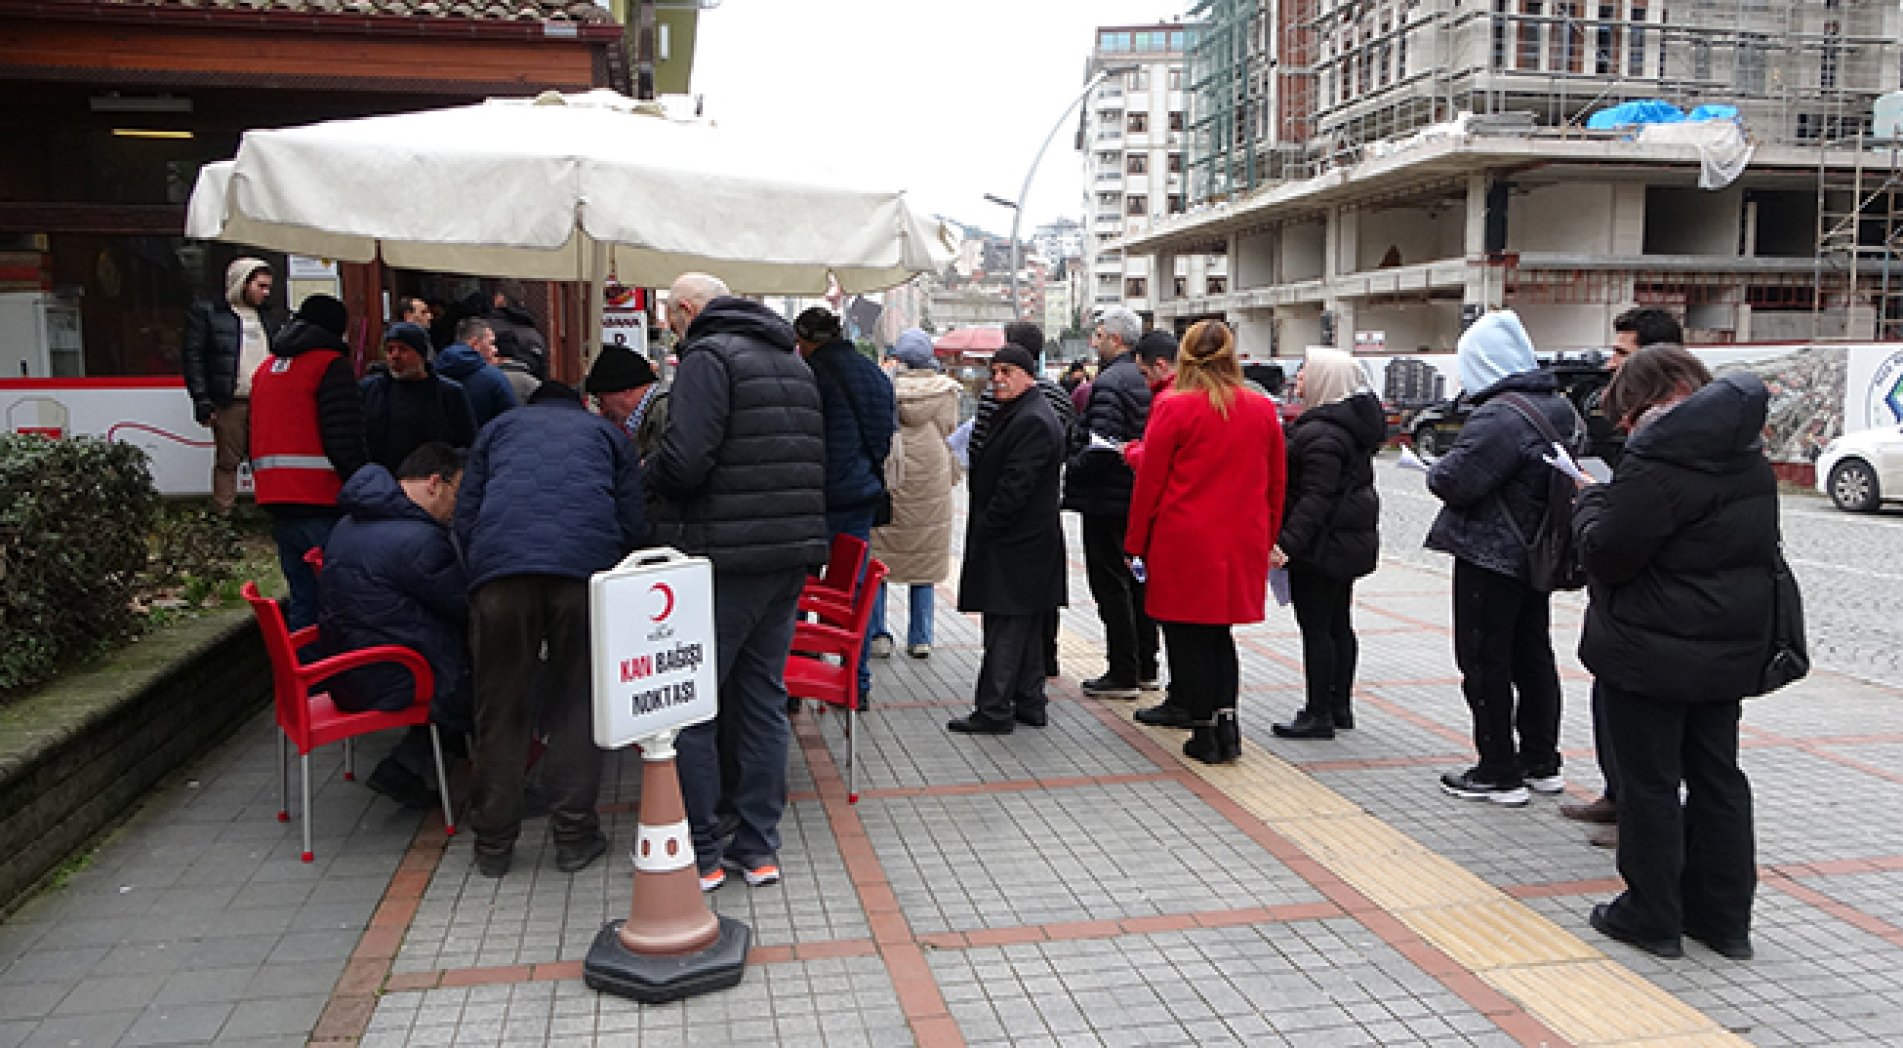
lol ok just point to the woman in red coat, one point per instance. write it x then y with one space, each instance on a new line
1204 514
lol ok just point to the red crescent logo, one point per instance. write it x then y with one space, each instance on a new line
667 594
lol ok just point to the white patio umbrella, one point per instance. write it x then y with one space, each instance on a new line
562 187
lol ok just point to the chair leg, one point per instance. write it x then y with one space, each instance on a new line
442 782
284 780
304 761
851 756
350 760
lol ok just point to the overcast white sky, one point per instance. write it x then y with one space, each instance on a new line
948 99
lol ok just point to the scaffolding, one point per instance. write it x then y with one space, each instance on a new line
1858 274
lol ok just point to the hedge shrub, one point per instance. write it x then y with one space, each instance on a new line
75 516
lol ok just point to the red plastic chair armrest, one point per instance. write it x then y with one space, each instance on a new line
832 609
303 638
408 658
821 639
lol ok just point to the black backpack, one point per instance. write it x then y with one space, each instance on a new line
1552 562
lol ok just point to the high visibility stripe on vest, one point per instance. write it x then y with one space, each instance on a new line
291 462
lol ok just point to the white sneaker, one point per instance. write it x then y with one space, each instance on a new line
1554 783
881 647
920 651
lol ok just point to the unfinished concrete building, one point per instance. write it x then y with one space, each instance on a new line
1379 170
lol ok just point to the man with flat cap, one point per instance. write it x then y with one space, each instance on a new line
1014 548
629 395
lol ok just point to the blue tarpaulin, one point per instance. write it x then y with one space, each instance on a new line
1647 111
1712 113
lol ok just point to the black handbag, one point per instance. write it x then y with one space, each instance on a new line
1552 561
1789 659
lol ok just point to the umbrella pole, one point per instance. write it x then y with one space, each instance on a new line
597 290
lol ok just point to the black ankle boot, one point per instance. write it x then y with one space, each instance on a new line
1218 741
1307 725
1344 717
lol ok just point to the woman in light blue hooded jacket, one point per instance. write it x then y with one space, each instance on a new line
1493 489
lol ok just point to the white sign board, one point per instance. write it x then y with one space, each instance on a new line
304 267
651 624
153 413
625 327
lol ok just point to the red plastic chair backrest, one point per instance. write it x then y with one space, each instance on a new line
287 684
862 611
843 561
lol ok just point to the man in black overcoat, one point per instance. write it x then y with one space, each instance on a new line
1014 570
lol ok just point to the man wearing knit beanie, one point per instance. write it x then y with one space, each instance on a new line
225 342
412 405
629 395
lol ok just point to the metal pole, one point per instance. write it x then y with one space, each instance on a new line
1017 215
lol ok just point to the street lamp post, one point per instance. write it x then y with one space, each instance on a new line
1017 209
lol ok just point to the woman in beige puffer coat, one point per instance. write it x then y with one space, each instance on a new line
916 546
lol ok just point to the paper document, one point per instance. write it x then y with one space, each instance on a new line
1597 469
959 441
1409 460
1563 462
1278 585
1099 442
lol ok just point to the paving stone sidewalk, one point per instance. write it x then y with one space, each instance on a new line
1078 885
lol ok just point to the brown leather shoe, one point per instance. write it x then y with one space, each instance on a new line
1606 838
1601 811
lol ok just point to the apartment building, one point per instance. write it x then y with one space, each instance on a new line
1397 166
1133 137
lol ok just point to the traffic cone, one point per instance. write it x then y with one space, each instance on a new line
671 946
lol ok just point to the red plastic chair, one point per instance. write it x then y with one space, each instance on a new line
308 719
830 596
811 674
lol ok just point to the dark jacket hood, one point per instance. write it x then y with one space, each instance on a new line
739 316
372 493
1360 415
514 315
1715 430
1536 382
459 361
302 336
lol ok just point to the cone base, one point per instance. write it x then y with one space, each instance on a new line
650 979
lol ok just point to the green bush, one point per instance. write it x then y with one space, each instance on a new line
193 551
75 516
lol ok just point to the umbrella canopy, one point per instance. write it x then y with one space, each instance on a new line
561 187
978 340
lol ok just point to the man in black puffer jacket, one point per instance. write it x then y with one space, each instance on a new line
223 346
1097 485
1502 635
740 479
1680 551
1330 531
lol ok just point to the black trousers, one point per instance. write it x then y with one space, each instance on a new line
1602 745
1324 609
1011 677
1204 676
510 619
1503 645
1690 865
1129 634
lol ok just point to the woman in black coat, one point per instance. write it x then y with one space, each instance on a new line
1330 531
1680 549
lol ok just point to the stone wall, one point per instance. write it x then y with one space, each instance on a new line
78 756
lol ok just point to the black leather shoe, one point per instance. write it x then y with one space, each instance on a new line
1217 742
1105 688
1731 947
494 863
402 785
1032 720
571 856
1670 949
973 724
1306 725
1166 714
1344 718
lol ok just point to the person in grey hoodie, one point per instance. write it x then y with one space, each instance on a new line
1493 488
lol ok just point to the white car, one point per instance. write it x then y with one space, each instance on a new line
1859 471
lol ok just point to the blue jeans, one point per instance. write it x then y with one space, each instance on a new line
296 535
856 522
918 623
753 626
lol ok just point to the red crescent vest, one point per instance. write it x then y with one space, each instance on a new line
288 463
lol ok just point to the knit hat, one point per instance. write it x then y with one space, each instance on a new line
1017 355
409 334
914 349
817 324
1025 334
326 312
238 274
617 368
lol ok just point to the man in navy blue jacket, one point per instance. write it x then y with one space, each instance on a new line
861 413
393 575
552 495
